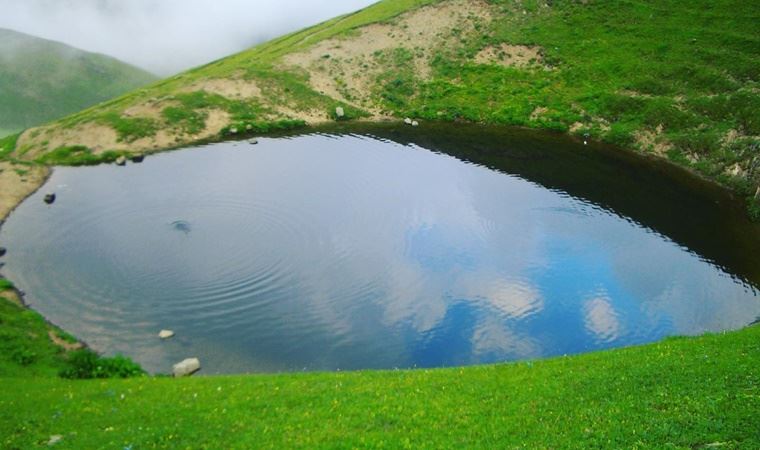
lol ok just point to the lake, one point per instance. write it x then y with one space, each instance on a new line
383 247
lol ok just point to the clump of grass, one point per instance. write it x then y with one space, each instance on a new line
190 121
251 128
130 129
86 364
5 285
77 155
8 145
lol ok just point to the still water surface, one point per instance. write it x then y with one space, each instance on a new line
378 250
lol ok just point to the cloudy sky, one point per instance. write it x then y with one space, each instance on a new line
167 36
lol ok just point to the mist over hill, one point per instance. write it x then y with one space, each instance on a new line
166 36
41 80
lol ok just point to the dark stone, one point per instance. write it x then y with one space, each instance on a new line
138 158
49 199
3 251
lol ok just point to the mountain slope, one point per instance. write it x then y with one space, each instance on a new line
42 80
677 80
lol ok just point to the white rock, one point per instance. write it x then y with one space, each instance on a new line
166 334
54 439
339 113
253 141
121 161
233 130
186 367
249 127
415 123
408 121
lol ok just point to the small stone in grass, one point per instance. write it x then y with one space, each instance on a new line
54 439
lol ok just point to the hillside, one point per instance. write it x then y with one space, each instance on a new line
42 80
675 80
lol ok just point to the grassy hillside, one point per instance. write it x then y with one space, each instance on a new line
676 79
42 80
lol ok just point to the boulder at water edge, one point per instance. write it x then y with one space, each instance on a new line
186 367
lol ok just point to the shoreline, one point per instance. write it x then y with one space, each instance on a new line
33 184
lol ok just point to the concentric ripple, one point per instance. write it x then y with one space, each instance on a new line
325 252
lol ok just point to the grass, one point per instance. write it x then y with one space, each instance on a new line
8 145
77 155
26 349
681 393
683 74
42 80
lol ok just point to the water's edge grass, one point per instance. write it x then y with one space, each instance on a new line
696 392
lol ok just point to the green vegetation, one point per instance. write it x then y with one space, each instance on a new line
8 145
27 348
77 155
681 393
676 79
130 129
5 285
42 80
671 78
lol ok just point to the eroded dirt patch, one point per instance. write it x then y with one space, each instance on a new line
346 68
232 88
653 141
17 182
508 55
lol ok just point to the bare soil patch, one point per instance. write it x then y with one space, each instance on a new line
345 68
509 55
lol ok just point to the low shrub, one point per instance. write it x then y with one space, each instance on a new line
86 364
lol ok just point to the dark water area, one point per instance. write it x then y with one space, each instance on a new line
383 247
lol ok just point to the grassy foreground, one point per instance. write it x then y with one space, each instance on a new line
681 393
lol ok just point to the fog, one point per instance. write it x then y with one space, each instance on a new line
167 36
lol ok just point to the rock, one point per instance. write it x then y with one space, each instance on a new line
736 170
253 141
249 127
138 158
415 123
54 439
408 121
233 130
166 334
186 367
49 199
3 251
121 161
339 113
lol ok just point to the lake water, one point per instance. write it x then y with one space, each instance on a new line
382 248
